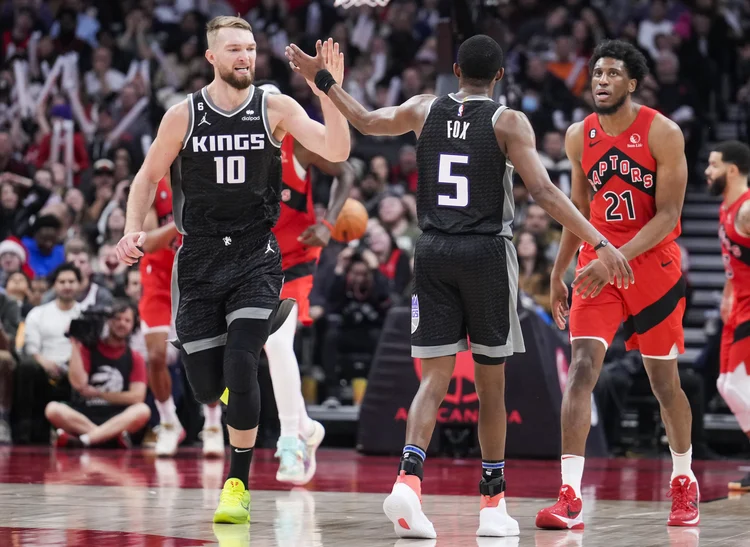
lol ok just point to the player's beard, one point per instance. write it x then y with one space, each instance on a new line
609 110
717 186
237 81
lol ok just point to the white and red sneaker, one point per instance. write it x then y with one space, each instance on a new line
566 514
404 509
494 520
685 496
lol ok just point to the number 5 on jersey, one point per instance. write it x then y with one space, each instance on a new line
461 183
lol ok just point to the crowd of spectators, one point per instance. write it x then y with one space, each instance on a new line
84 84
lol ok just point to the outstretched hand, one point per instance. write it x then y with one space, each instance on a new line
327 57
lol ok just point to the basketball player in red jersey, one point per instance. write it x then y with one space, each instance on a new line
727 172
155 308
629 177
301 238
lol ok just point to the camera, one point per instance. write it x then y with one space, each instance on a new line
87 329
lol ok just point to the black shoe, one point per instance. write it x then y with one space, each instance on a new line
742 485
277 318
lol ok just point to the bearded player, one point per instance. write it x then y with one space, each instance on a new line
629 178
222 148
301 239
155 308
727 172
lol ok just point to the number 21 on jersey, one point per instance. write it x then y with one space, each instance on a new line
445 176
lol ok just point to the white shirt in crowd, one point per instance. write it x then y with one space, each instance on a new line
46 326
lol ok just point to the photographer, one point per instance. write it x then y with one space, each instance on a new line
108 379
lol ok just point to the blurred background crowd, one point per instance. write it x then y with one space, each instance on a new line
84 84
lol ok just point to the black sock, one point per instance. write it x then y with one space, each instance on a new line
239 463
493 469
412 460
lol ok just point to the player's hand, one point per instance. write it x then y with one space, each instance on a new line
334 60
591 279
559 301
129 247
317 235
617 266
308 67
726 308
89 392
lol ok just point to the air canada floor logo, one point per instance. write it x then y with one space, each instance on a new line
461 403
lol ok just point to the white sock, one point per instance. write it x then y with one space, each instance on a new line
572 471
681 464
211 416
306 424
167 411
284 369
85 439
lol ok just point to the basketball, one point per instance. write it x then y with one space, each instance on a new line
352 222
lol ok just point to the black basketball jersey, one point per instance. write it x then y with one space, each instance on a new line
227 178
465 181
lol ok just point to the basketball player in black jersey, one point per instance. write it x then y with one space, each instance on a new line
222 144
466 270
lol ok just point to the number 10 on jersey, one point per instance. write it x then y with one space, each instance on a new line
233 173
446 177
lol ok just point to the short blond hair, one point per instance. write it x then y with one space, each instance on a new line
224 21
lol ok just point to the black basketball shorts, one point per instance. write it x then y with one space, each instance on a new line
216 280
465 284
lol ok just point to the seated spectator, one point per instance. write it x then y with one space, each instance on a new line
539 223
44 248
394 263
18 289
91 293
357 302
42 371
12 258
21 199
533 268
109 388
9 320
395 218
556 161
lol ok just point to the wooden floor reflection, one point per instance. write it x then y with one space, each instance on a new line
87 500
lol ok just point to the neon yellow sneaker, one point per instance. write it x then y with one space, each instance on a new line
234 503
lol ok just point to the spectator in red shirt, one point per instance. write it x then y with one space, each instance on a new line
109 388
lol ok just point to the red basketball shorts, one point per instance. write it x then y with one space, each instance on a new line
735 340
299 289
155 306
651 309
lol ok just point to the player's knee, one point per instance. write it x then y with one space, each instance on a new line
583 373
204 373
665 389
241 373
157 356
141 413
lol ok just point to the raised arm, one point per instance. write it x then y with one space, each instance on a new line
163 151
331 141
516 136
668 148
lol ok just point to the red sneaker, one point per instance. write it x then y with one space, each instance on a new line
566 514
66 440
685 499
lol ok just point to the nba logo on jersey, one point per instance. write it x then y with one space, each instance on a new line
414 313
461 110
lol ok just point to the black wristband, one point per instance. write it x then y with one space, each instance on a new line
324 80
603 243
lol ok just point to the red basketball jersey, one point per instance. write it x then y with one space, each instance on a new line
622 175
162 259
735 251
297 211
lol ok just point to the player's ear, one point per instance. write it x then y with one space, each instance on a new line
632 85
456 70
500 74
210 57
